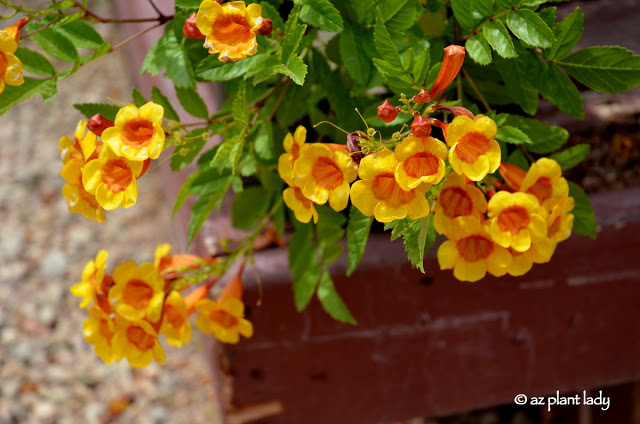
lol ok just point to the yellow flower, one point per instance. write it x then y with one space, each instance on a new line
544 180
292 145
10 65
92 276
112 179
378 194
138 342
421 161
175 324
458 198
303 208
81 201
137 134
81 147
560 221
516 219
98 330
474 152
539 253
138 291
324 175
224 318
230 29
471 253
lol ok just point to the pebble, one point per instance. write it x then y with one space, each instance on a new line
54 265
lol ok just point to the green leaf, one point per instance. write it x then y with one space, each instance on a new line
427 236
605 69
518 75
184 155
264 142
329 233
572 156
562 92
365 10
518 159
269 11
55 44
513 135
211 69
584 219
355 59
479 49
530 28
192 102
331 301
249 207
49 89
293 33
545 138
567 33
82 35
399 15
384 45
295 69
421 67
410 231
138 98
303 265
61 5
33 61
240 109
229 152
107 110
167 53
206 203
469 13
499 38
357 236
548 15
184 192
321 14
161 99
13 95
188 4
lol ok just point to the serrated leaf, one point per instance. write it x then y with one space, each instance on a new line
228 152
291 42
513 135
479 49
518 75
240 108
469 13
357 235
607 69
269 11
295 69
548 15
179 68
399 15
206 203
55 44
499 38
384 45
562 92
82 35
192 102
364 10
138 98
530 28
60 5
545 138
303 265
249 207
161 99
183 193
264 142
584 219
572 156
33 61
211 69
13 95
421 67
331 301
321 14
412 245
427 236
518 159
49 89
355 59
567 33
107 110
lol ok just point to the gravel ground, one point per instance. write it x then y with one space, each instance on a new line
48 373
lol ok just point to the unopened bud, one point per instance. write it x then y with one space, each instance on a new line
386 112
453 58
190 30
420 127
456 110
512 175
266 27
98 123
422 97
353 145
14 30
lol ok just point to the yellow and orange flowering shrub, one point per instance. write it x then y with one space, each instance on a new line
10 66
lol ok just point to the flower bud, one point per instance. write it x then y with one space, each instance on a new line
453 58
353 145
266 27
386 112
190 30
98 123
422 97
456 110
14 30
420 127
512 175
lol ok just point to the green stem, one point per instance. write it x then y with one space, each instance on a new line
475 90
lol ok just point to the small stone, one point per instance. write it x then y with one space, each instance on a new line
93 412
54 265
159 414
44 410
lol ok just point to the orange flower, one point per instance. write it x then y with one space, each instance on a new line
451 64
421 161
471 253
138 291
560 221
175 324
378 194
544 180
516 220
458 198
78 199
137 134
230 29
99 330
138 342
92 276
303 208
539 253
225 319
10 65
474 152
82 146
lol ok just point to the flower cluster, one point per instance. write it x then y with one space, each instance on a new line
102 165
10 65
131 307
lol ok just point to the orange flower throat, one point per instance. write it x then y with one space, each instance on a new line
513 219
386 188
137 293
140 338
471 146
137 132
474 248
456 202
223 318
421 164
326 173
117 175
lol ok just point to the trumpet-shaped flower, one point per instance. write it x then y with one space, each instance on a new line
138 342
292 145
471 253
82 146
458 198
10 65
303 208
560 221
516 219
78 199
99 330
175 324
544 180
112 179
230 29
474 151
378 193
224 318
323 175
92 276
137 134
421 161
540 252
138 291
